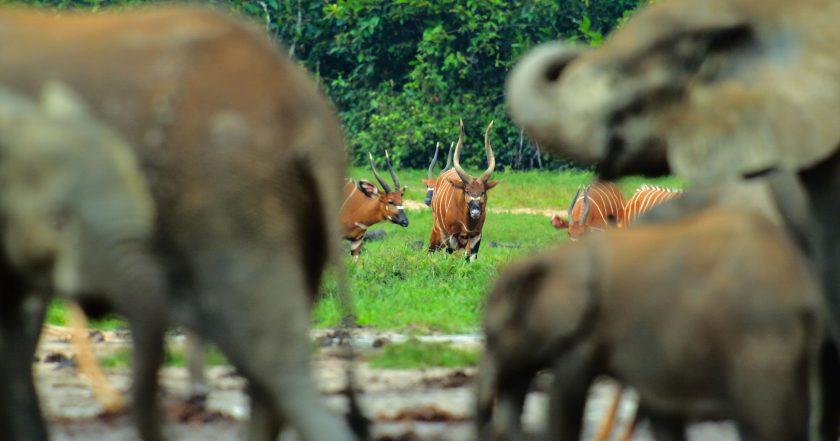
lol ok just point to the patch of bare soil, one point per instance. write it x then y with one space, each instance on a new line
404 404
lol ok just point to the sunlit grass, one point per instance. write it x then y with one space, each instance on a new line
398 286
532 189
414 354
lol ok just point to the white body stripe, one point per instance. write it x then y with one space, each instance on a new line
645 198
605 202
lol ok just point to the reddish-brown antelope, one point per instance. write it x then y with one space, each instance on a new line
644 199
365 205
459 203
601 206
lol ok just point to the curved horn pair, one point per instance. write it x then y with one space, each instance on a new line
449 156
376 174
491 160
385 186
572 206
434 160
585 213
391 171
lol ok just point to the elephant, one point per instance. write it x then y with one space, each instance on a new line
77 220
245 162
714 315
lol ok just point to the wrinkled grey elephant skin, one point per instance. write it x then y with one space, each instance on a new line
76 218
704 90
715 315
244 158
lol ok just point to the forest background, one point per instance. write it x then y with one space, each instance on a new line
403 72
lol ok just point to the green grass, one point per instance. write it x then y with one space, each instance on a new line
57 314
533 189
399 287
414 355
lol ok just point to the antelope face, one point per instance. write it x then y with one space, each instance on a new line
475 196
390 202
391 205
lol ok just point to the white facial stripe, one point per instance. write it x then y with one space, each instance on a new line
473 198
430 188
399 207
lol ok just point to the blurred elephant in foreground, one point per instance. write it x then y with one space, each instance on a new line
77 219
245 160
713 315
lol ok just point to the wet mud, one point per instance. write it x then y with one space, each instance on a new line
404 404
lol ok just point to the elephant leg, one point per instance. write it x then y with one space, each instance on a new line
21 318
665 427
261 321
265 423
195 351
512 390
142 300
573 375
830 366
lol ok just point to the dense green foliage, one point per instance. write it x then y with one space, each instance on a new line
402 72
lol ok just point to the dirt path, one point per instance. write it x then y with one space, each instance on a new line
413 404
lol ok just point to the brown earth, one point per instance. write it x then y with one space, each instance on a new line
411 404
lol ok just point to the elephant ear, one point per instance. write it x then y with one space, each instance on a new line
567 296
552 293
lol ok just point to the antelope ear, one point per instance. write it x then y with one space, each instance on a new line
368 188
490 184
428 182
457 184
402 190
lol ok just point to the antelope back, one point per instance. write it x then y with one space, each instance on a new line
605 209
645 198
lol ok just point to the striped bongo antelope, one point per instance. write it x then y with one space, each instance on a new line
430 181
645 198
364 205
459 203
600 206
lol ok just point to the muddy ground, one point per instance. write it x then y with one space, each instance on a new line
406 405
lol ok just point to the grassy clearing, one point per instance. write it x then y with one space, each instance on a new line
399 287
533 189
415 355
